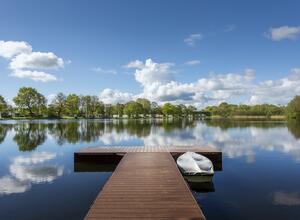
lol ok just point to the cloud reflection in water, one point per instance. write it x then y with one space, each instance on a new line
28 170
234 142
286 198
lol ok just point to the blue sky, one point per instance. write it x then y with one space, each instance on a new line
198 52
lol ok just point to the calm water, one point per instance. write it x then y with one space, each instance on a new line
260 177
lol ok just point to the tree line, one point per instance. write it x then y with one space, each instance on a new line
229 110
291 110
30 103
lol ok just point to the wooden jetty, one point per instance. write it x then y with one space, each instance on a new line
114 154
146 184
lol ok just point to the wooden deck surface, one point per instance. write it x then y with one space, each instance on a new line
128 149
145 186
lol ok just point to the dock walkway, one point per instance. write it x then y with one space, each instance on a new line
145 185
114 154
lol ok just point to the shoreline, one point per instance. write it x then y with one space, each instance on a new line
216 117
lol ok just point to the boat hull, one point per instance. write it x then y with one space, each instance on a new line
198 178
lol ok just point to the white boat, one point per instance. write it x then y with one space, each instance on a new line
195 167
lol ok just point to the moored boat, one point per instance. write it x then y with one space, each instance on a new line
195 167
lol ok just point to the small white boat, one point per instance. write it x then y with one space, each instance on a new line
195 167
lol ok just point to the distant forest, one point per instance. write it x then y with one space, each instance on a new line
29 103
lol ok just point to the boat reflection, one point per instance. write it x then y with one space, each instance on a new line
201 187
94 167
109 162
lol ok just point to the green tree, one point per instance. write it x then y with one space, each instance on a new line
155 109
118 109
94 105
191 110
293 108
85 105
90 106
168 109
59 104
133 109
183 110
72 105
100 108
108 110
146 104
226 110
3 106
29 101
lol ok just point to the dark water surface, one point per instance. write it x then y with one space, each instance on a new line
260 177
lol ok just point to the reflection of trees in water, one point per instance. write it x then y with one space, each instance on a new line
75 131
56 130
170 125
91 130
140 128
4 128
29 135
294 127
65 131
225 124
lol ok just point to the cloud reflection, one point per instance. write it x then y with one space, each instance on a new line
286 198
9 185
235 138
234 142
28 170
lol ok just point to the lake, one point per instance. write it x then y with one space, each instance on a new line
260 177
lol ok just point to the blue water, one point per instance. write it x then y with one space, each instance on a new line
260 178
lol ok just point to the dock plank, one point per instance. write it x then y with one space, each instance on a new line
145 186
142 149
113 154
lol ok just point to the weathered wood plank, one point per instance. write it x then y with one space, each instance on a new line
145 186
127 149
113 154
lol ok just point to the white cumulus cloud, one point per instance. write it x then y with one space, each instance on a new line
109 96
24 62
34 75
8 49
158 84
277 91
169 92
135 64
36 60
151 72
283 32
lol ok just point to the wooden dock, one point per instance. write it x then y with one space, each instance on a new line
145 186
113 155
